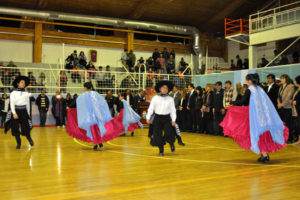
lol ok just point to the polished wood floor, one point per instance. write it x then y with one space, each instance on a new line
208 167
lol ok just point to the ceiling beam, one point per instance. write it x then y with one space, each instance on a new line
139 9
225 11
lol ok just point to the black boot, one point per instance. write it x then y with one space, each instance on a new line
180 141
161 150
132 133
18 139
172 147
95 147
100 145
264 159
30 140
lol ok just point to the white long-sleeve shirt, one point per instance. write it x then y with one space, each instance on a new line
162 106
19 98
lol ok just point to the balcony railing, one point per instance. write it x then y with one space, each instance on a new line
274 18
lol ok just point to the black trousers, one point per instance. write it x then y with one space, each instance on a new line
286 117
218 118
296 126
199 121
181 120
162 131
192 122
25 122
3 117
208 122
60 122
43 117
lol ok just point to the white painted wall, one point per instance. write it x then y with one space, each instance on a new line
52 53
265 51
18 51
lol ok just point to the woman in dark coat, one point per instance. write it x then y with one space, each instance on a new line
59 109
296 111
207 109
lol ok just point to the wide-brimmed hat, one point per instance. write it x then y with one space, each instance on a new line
20 78
162 83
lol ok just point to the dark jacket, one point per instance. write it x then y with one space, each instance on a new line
198 102
190 99
273 93
218 100
297 99
54 101
208 100
176 99
244 101
131 100
136 101
38 102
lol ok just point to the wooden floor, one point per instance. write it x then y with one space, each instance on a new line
208 167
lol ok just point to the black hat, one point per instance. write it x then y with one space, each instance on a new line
20 78
162 83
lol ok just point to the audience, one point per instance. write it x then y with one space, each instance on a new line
4 107
43 104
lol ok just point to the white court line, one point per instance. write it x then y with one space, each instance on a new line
205 161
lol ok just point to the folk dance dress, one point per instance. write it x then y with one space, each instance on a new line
92 122
255 126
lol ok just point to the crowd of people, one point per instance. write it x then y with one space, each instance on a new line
280 60
198 109
202 109
160 62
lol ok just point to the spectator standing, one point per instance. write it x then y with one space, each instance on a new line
239 63
63 81
218 108
82 60
230 95
162 62
296 57
284 60
272 89
140 97
207 107
4 107
42 102
198 106
155 54
284 104
131 59
171 65
75 75
191 112
166 54
173 53
296 111
128 97
59 109
124 57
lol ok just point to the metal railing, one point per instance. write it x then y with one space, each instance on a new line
71 81
274 18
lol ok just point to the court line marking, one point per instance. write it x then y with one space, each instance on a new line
206 161
191 160
134 147
228 175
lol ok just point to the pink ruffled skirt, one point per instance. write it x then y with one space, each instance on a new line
236 125
114 128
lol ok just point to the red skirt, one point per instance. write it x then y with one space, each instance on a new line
114 128
236 125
